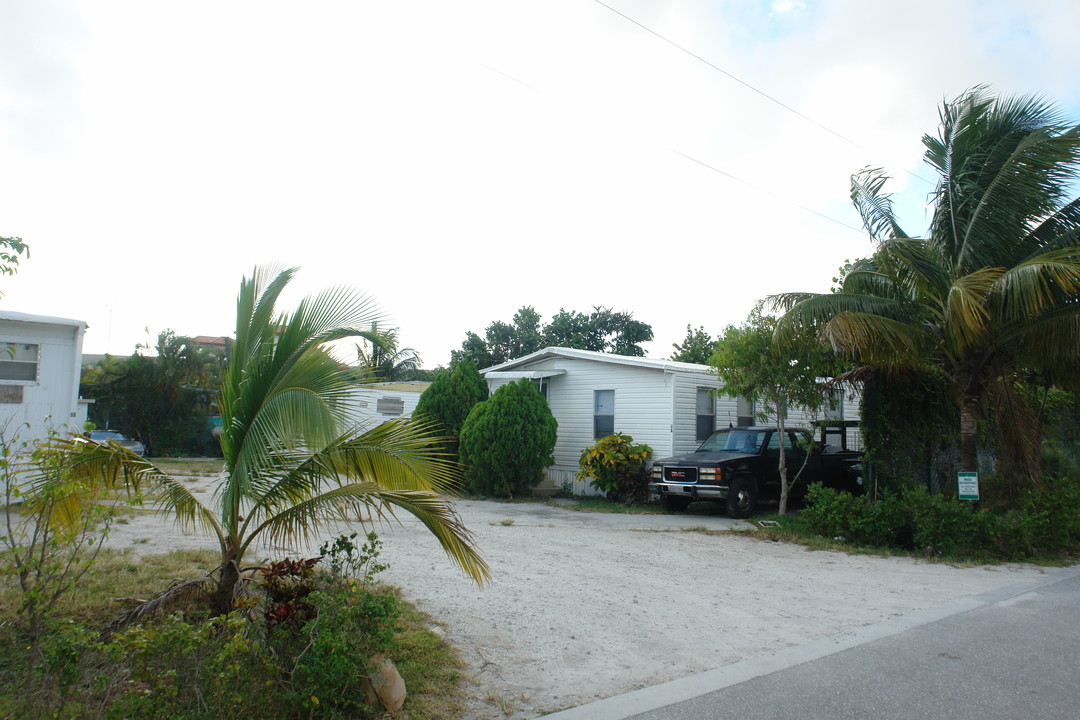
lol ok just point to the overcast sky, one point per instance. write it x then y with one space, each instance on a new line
458 160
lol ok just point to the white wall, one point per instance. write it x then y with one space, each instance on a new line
52 399
652 405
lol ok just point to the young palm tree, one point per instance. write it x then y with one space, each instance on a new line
993 287
293 463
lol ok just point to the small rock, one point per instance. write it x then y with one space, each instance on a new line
384 686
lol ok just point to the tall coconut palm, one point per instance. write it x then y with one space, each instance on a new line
293 463
993 286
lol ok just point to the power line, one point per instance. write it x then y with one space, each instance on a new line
762 93
760 189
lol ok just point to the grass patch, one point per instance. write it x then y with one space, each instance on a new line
603 505
207 467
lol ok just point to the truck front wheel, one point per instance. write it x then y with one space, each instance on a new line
742 497
670 502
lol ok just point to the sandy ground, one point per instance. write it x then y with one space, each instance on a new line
583 606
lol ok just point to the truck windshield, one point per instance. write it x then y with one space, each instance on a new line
747 441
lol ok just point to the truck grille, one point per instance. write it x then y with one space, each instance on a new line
681 474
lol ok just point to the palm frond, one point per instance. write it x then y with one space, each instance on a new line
875 207
366 503
176 499
396 455
1040 283
876 339
185 591
966 313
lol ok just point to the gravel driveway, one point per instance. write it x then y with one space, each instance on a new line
583 606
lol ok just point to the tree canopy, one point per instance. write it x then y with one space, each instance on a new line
379 359
775 372
992 287
697 347
602 330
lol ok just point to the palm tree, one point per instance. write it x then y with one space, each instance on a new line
293 464
993 287
380 358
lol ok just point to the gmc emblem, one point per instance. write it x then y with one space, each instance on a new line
678 473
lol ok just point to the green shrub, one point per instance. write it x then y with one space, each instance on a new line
175 668
507 441
1046 523
616 467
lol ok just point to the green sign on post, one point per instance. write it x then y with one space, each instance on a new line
968 485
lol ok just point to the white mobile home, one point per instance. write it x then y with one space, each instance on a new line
376 403
40 368
668 405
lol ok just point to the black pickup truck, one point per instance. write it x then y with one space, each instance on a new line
739 465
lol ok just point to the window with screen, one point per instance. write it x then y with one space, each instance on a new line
18 361
706 411
603 413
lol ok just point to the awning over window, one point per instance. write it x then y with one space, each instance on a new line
518 374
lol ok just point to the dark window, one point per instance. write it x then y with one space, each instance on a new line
706 413
603 413
390 406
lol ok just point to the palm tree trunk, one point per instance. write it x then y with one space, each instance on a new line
969 433
221 602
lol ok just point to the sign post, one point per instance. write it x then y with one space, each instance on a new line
968 485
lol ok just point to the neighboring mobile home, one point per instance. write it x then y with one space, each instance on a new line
668 405
376 403
40 367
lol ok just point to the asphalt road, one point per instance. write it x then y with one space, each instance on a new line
1009 653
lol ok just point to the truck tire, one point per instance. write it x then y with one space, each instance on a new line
742 497
669 502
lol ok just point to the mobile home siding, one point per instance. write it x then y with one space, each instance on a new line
51 399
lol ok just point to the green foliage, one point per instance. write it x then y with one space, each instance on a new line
347 561
614 465
449 399
697 347
990 293
162 399
507 441
293 461
12 249
1045 523
909 427
775 371
379 359
189 667
54 527
602 330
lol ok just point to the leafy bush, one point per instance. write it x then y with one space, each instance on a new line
301 649
507 441
616 466
1046 523
449 399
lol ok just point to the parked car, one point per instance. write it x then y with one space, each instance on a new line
738 466
105 436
